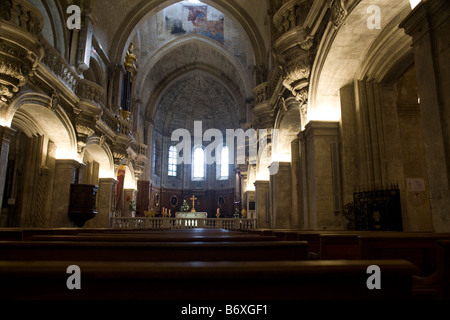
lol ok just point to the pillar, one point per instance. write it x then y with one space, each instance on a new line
66 172
297 217
428 24
5 139
143 197
321 181
262 204
105 202
281 197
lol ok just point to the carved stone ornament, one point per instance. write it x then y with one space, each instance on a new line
338 13
12 77
18 59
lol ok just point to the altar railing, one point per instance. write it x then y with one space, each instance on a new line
183 223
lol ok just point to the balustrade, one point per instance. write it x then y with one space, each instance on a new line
183 223
90 91
58 65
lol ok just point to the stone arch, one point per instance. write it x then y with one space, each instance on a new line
96 72
54 24
339 62
101 153
130 181
161 90
138 15
221 101
201 40
54 123
288 123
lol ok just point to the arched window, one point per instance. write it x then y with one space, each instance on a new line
198 164
173 153
223 165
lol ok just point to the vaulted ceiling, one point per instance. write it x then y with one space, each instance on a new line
165 54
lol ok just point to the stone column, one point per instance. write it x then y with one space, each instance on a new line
65 175
321 176
105 202
263 215
250 198
5 138
428 24
143 197
297 217
281 196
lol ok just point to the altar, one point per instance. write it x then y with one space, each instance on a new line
191 219
191 215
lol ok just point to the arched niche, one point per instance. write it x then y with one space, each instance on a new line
99 153
344 53
54 23
34 114
288 125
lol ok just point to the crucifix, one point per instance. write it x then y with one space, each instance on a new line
193 203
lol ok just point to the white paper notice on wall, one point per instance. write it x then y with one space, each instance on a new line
415 185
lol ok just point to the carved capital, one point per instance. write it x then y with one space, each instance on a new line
291 14
338 12
17 65
297 71
20 50
262 92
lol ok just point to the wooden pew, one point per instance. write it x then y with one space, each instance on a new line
443 270
326 248
229 281
9 234
152 251
420 249
152 238
339 246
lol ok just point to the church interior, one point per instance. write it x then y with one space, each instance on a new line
281 148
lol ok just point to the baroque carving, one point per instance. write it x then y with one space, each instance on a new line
338 13
18 63
14 72
22 14
89 91
291 15
53 60
261 93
